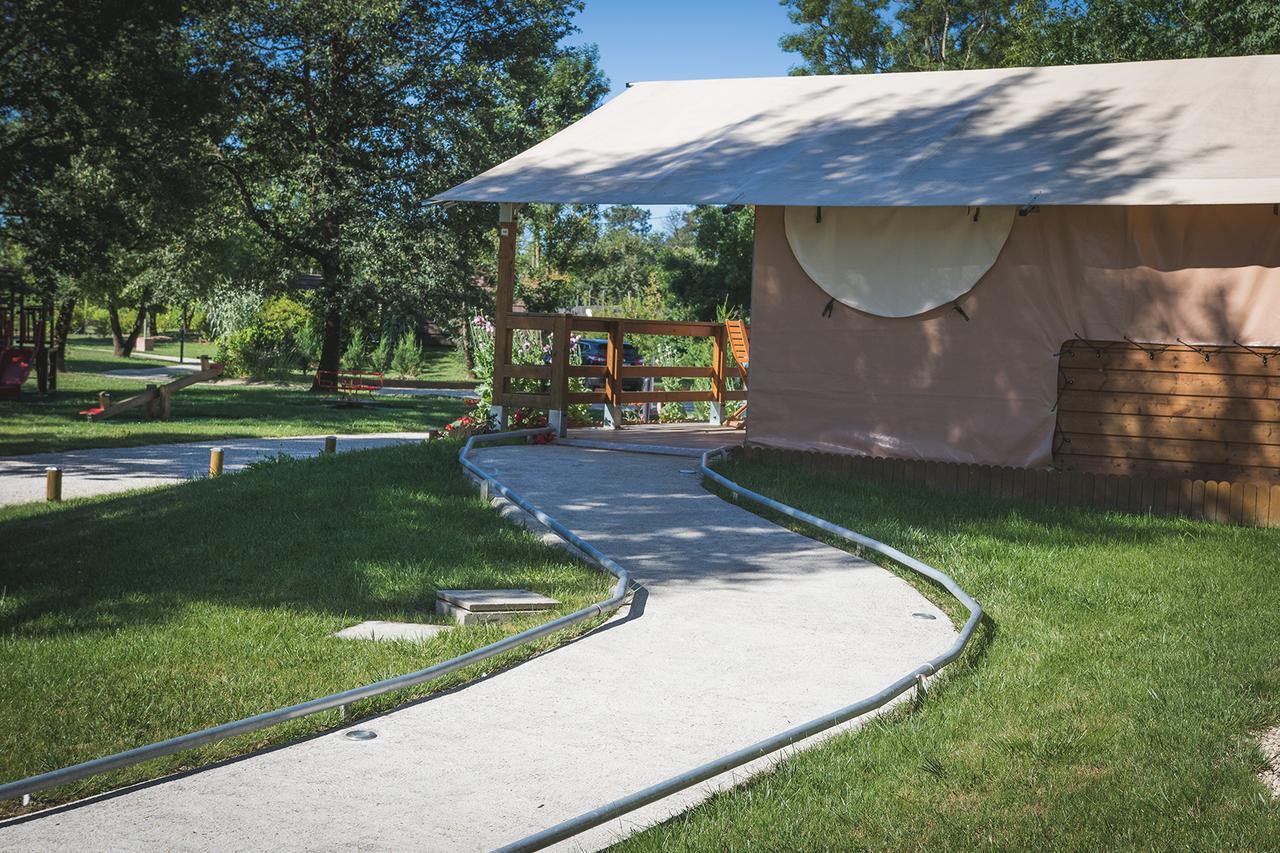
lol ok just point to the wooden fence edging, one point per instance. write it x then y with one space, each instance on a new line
1252 504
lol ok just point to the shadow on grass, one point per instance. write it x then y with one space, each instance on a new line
372 534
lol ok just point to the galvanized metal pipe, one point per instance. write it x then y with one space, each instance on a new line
569 828
140 754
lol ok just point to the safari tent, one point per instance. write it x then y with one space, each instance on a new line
1067 266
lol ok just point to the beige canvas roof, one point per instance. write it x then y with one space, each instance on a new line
1203 131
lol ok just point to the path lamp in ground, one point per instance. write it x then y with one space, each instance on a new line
53 484
215 462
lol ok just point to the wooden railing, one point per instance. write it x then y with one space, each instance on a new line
554 377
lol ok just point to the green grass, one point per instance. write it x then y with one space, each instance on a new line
1125 662
444 364
129 619
193 349
203 411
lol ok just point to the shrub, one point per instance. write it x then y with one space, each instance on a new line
271 345
407 358
381 356
356 355
308 344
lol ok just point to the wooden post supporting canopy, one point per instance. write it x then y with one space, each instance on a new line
558 416
717 375
613 375
504 303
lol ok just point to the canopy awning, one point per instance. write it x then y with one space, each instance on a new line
1191 131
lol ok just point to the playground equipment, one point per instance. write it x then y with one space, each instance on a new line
157 398
349 384
22 342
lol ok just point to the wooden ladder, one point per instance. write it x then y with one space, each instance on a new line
740 345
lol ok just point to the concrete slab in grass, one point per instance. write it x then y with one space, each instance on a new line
477 606
378 630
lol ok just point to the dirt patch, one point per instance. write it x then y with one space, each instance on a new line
1269 740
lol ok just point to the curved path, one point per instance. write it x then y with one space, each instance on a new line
741 629
106 470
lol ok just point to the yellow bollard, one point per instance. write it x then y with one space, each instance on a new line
53 484
215 462
330 444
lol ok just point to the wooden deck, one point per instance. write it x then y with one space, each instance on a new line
690 436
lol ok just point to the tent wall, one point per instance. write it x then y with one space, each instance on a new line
981 386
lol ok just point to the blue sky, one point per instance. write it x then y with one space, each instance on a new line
674 40
688 39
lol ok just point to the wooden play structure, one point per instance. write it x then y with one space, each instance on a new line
23 342
156 398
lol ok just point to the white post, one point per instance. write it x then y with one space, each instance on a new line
499 415
559 422
612 416
717 414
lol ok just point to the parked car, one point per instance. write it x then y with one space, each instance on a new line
595 350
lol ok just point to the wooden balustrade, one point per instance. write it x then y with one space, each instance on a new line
553 377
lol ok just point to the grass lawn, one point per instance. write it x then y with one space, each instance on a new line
203 411
193 349
128 619
1125 663
444 364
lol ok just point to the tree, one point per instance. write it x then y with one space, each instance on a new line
868 36
101 118
351 115
710 264
856 36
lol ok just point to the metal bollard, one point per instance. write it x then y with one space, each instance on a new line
215 462
53 484
330 444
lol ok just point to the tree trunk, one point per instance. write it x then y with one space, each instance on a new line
122 344
468 345
330 326
62 331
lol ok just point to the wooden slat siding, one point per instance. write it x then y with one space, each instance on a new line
1186 428
1178 450
1274 518
1155 468
1159 410
1075 401
1163 382
1177 359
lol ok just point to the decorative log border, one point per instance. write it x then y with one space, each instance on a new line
1247 504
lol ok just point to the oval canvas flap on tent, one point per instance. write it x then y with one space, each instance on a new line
897 261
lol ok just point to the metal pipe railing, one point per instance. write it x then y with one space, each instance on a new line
140 754
631 802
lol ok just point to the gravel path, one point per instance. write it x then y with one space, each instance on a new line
105 470
742 629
